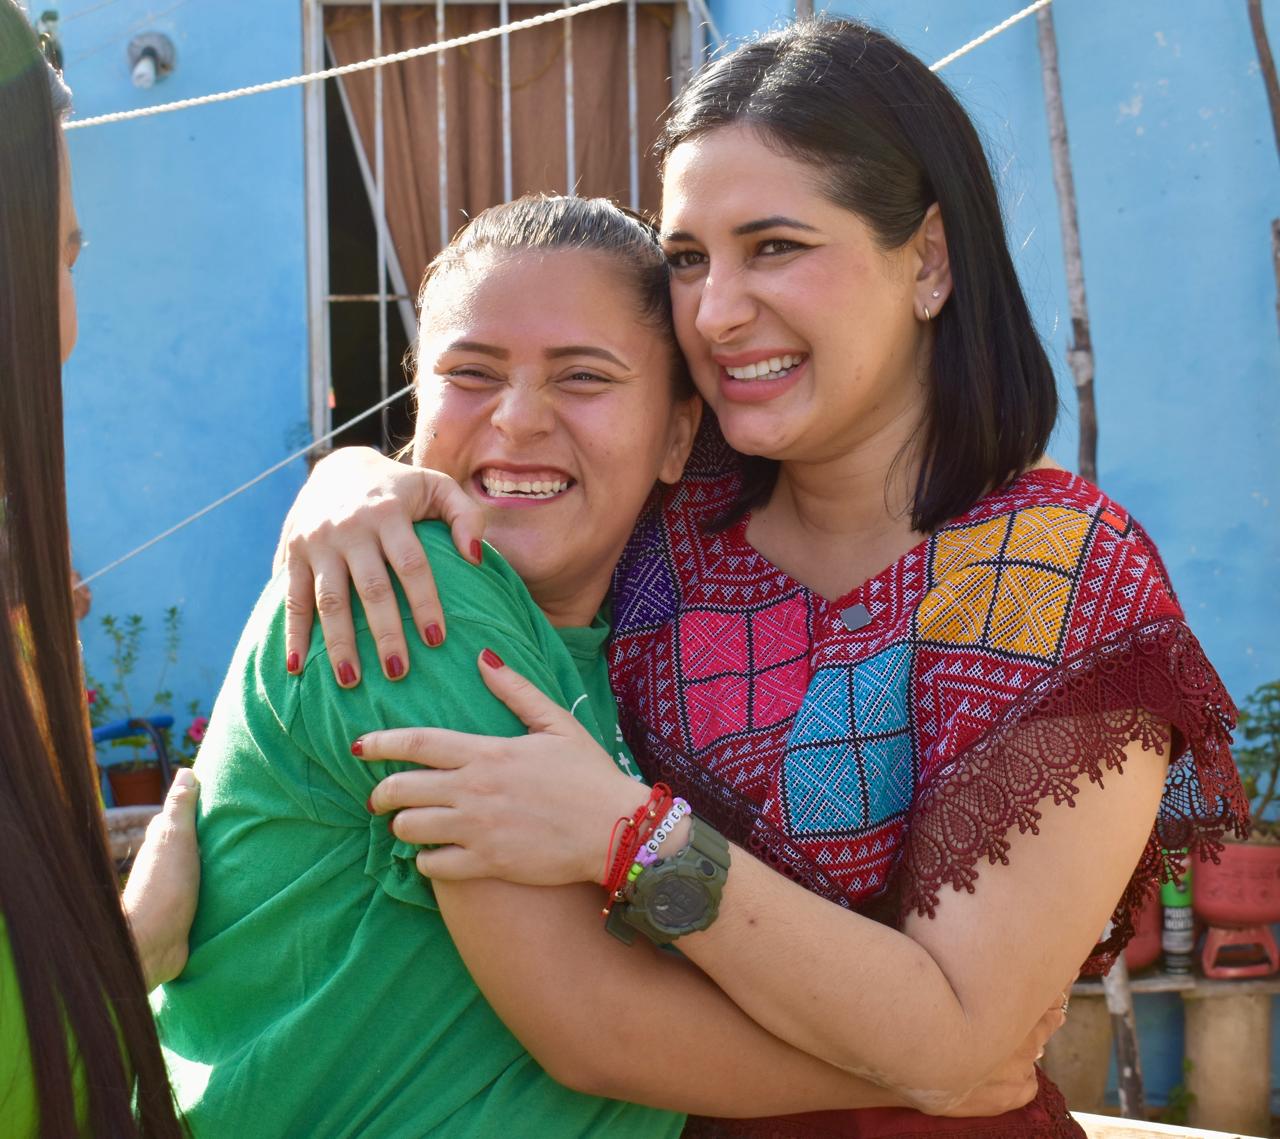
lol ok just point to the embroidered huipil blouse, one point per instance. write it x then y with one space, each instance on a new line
879 747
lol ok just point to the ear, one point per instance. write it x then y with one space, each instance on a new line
933 276
686 415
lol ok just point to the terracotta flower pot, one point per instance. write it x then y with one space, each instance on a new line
1241 890
135 787
1143 949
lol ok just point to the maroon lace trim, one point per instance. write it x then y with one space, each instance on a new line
1081 718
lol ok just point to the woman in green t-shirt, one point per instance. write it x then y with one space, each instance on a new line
331 989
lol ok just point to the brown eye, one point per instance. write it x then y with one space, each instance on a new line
684 258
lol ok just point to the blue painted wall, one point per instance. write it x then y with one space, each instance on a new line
1176 178
191 371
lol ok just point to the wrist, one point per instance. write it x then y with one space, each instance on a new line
622 798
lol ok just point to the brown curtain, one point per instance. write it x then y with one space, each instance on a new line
474 110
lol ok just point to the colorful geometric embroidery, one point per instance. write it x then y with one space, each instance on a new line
850 765
1005 585
818 746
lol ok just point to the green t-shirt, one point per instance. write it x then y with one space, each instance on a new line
323 995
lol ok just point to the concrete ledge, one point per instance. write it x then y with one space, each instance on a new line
126 828
1104 1127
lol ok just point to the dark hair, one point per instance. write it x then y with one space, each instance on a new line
887 139
550 221
77 970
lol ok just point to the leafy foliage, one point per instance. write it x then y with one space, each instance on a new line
1257 754
115 698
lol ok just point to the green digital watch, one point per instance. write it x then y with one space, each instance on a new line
676 895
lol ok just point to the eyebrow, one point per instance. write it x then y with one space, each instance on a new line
477 346
551 353
75 239
584 350
774 221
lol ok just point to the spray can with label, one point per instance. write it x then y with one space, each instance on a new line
1178 937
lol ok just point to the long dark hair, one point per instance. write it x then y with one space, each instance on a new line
887 140
78 974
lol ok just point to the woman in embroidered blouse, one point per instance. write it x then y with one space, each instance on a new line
871 636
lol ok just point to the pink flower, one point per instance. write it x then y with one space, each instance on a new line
91 694
195 733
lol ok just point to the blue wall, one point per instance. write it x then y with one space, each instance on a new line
1176 180
191 371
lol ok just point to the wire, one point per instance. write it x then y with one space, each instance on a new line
990 34
377 407
346 69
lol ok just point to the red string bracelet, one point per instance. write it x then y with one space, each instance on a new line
635 830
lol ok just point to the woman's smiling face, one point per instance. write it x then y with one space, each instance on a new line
551 401
799 329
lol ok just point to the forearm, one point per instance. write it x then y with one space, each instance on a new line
913 1032
629 1022
938 1005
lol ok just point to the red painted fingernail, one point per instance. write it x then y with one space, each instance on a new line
477 551
492 659
368 805
357 747
395 667
292 664
346 675
435 638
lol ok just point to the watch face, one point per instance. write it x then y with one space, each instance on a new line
677 903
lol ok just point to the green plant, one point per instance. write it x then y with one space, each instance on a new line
115 699
1181 1099
1258 757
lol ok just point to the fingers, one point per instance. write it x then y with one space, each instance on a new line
537 711
178 815
381 608
333 604
299 614
180 803
404 552
450 864
445 499
425 826
406 791
430 747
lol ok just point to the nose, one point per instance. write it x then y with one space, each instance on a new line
724 306
523 411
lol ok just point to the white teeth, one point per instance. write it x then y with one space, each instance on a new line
536 488
770 369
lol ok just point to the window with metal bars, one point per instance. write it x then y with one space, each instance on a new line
398 157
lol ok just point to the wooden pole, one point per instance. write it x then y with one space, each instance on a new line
1124 1031
1080 353
1080 356
1267 64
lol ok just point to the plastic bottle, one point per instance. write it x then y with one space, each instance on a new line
1178 937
